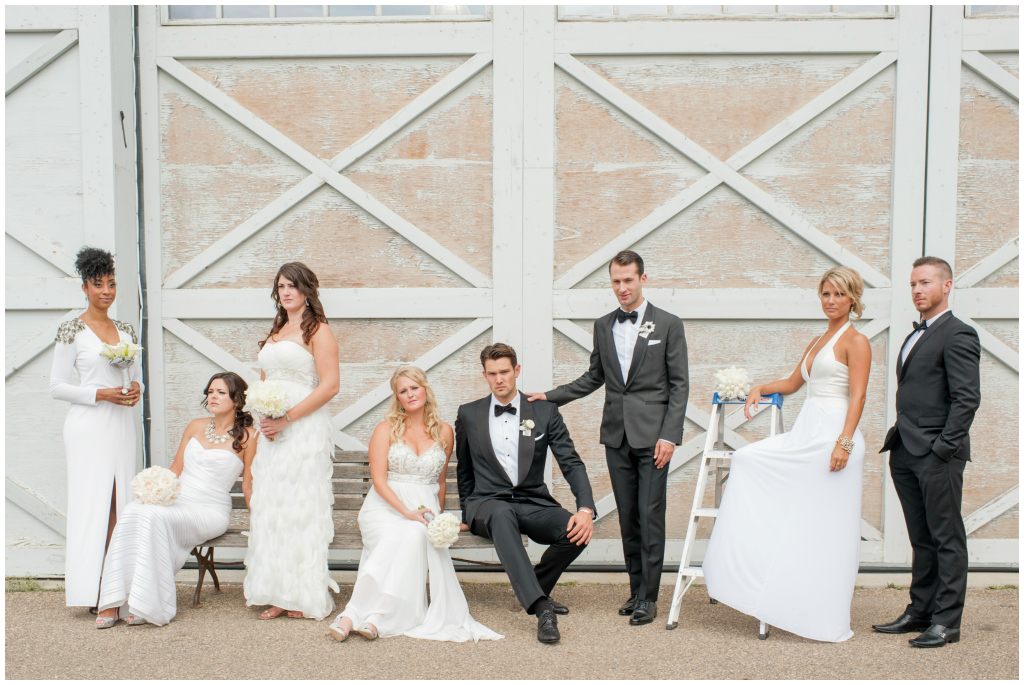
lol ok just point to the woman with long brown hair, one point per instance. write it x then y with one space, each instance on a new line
291 523
409 454
152 542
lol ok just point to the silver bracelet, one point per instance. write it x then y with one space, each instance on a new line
288 417
846 443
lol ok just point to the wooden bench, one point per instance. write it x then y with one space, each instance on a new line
351 483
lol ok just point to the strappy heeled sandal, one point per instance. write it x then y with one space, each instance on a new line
108 621
337 633
369 632
134 620
265 616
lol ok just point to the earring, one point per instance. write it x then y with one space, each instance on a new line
307 303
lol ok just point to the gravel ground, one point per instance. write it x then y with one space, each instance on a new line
223 639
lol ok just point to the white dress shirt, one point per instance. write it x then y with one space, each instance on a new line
624 334
916 336
504 431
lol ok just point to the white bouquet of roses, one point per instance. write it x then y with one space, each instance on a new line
443 530
122 356
156 485
732 384
267 398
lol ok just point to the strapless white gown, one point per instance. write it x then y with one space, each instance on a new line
151 542
786 544
292 501
390 590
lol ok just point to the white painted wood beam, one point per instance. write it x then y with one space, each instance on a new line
716 303
339 303
35 505
372 39
31 349
985 513
996 347
989 265
45 55
988 303
324 172
426 362
745 187
343 160
37 18
991 34
1001 78
43 292
667 37
748 154
40 245
869 532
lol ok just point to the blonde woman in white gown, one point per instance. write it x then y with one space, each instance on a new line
786 544
409 454
99 433
292 505
152 542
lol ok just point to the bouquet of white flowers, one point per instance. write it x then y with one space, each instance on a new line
443 530
122 356
156 485
732 384
267 398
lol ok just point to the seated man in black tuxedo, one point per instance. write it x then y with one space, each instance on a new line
501 444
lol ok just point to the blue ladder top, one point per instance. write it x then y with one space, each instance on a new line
774 398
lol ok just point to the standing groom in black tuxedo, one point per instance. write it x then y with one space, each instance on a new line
938 393
501 444
640 357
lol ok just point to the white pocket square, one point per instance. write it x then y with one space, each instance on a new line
539 437
653 342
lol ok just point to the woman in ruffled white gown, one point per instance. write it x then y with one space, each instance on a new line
292 524
99 431
409 454
152 542
786 543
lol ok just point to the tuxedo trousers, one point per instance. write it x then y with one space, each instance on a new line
641 494
505 522
931 492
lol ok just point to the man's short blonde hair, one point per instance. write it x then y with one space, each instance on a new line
848 281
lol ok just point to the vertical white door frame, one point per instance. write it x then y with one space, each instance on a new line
905 234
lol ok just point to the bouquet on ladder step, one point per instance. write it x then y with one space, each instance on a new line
156 485
121 357
268 399
443 530
732 384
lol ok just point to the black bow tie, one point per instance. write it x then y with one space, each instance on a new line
500 409
621 316
920 325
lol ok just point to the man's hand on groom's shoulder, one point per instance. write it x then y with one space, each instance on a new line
534 396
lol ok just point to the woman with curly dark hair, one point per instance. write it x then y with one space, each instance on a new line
152 542
99 433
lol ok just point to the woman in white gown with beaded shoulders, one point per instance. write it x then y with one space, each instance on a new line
409 454
786 543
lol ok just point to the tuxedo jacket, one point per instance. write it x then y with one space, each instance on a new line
481 476
938 391
651 404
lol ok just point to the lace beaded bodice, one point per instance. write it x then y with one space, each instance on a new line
404 466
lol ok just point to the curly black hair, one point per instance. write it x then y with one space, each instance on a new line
92 263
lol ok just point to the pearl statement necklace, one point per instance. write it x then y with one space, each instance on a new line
212 436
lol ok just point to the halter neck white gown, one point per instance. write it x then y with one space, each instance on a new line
151 542
786 543
390 589
292 523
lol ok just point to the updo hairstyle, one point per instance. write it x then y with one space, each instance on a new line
92 264
849 282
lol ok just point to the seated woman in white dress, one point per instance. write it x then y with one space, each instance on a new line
152 542
409 454
786 543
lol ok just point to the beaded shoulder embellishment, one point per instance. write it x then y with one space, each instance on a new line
127 329
68 330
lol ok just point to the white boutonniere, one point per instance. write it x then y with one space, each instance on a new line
526 426
646 329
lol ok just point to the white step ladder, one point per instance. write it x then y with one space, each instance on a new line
714 451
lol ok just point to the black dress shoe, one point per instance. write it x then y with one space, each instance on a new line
627 608
904 624
547 627
936 636
644 613
559 608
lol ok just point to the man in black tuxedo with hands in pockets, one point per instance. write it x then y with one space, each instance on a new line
640 358
501 444
938 393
